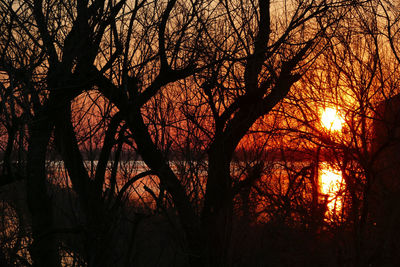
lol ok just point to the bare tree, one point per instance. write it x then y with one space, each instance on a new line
174 75
250 56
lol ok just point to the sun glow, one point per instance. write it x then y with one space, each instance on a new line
331 186
331 119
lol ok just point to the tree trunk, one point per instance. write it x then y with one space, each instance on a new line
98 223
154 158
44 250
7 173
217 212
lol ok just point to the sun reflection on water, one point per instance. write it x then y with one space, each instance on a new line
331 187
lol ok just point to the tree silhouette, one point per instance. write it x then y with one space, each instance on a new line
183 84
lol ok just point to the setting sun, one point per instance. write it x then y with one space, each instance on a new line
331 119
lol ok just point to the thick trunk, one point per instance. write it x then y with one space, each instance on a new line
44 250
218 205
217 211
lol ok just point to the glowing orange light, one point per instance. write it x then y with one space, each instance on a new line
331 119
331 183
